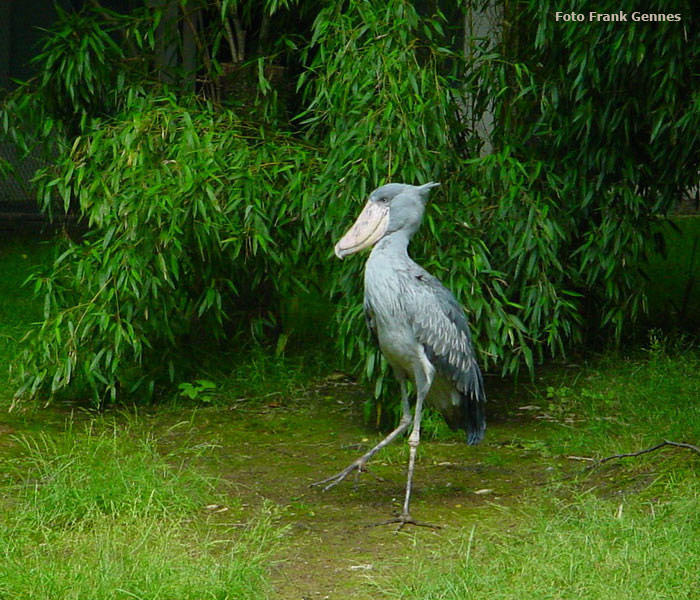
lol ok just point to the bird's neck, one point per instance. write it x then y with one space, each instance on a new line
393 247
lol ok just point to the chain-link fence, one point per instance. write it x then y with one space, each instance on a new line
19 23
22 23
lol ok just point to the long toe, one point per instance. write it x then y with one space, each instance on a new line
403 520
329 482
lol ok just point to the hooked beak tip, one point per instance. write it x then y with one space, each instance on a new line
370 226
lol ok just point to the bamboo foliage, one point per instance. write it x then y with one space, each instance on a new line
190 213
199 206
382 95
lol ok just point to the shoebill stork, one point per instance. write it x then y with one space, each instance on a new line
419 326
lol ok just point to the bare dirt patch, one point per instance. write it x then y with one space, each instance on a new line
272 452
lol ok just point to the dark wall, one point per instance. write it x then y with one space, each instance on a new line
21 24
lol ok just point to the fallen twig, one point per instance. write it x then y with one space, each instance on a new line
596 463
647 451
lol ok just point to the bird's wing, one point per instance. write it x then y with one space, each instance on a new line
440 325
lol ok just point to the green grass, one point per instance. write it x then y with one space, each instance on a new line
113 506
145 558
104 513
617 405
582 549
627 529
109 470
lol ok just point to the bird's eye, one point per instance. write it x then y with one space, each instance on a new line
382 199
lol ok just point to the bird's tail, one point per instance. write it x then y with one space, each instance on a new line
460 398
475 421
473 409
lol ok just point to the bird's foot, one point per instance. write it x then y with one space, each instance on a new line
403 520
329 482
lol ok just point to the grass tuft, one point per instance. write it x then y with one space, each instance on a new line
115 471
102 514
624 405
128 557
589 549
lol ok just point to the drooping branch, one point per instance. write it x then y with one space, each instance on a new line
108 17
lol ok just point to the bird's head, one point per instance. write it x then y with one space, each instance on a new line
390 208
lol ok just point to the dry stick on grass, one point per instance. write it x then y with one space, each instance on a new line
647 450
597 463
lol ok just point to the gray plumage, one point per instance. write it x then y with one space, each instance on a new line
409 311
419 326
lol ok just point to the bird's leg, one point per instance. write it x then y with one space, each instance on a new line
424 381
413 442
359 464
405 517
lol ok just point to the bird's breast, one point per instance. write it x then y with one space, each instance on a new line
387 297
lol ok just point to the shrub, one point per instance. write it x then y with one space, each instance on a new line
197 214
194 222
